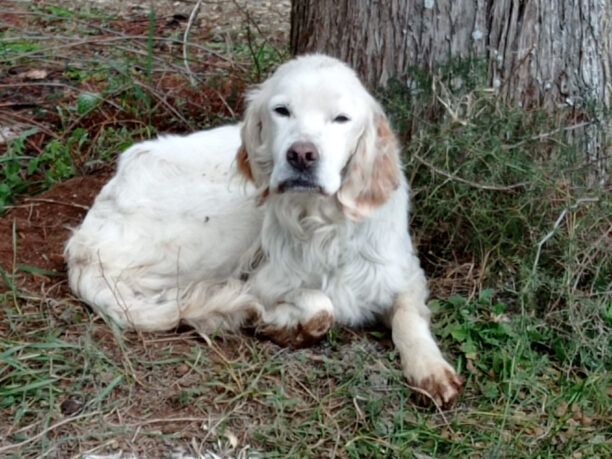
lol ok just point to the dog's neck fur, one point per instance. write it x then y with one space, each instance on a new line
303 214
307 243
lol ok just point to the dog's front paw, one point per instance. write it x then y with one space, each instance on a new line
438 381
303 334
317 326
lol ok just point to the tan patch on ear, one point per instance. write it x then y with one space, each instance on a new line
383 131
243 163
366 188
261 199
384 180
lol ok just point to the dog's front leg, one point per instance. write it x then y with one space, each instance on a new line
422 361
298 319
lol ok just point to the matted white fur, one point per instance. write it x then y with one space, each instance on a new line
178 236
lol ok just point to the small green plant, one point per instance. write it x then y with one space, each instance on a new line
55 163
20 173
12 47
264 57
12 180
481 325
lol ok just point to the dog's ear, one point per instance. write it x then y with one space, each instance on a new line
251 137
373 172
244 166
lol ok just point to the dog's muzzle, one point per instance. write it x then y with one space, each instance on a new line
303 157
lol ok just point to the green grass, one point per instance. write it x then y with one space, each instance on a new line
513 234
11 48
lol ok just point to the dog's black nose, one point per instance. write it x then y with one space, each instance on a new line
302 155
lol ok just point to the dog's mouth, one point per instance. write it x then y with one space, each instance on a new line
300 185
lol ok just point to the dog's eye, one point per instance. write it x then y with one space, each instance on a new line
282 110
341 119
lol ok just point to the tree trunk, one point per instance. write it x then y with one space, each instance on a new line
551 54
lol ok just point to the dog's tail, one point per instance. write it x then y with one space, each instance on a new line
137 300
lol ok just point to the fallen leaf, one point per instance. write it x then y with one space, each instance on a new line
34 74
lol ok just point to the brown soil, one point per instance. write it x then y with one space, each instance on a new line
34 231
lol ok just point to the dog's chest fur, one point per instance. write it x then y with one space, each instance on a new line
308 243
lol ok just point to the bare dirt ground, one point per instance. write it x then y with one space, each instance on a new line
42 225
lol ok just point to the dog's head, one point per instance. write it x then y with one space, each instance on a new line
313 128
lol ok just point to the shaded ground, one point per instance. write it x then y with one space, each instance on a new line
35 231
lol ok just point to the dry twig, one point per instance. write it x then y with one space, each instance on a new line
469 182
39 435
192 16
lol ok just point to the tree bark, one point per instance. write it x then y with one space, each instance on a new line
551 54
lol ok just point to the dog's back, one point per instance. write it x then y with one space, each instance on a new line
172 207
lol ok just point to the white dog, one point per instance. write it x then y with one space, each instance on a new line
317 234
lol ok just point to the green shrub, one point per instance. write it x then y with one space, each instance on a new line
502 190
